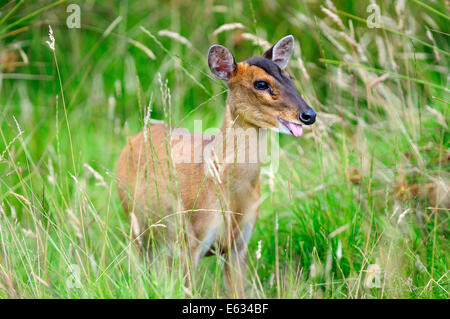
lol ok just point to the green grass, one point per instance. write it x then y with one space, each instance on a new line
367 185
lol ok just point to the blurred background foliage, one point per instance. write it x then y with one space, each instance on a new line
368 185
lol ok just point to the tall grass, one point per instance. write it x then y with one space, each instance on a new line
358 209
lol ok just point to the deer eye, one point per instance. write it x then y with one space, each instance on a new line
261 85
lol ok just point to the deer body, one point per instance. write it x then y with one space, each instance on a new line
212 205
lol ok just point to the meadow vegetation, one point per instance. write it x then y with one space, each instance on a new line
359 207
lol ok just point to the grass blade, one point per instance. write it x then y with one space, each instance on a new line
397 75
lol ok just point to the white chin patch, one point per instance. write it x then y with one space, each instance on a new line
289 128
283 129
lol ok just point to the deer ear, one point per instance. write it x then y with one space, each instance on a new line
281 52
221 62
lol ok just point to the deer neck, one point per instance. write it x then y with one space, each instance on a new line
237 150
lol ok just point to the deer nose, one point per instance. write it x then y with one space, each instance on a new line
308 117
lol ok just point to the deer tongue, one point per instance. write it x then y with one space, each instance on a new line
296 129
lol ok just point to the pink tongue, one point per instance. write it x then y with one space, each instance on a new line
296 129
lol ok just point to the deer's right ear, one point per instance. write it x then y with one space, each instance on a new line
281 52
221 62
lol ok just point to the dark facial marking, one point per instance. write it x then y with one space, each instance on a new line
288 88
270 67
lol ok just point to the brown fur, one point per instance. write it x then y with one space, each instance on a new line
257 108
211 213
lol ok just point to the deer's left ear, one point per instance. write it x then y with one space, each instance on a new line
221 62
281 52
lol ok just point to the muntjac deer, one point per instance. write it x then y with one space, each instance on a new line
209 205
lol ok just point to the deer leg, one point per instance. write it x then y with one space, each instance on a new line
235 273
235 267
